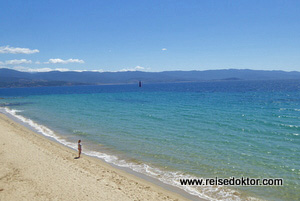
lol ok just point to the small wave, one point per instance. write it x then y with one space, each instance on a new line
290 126
172 178
3 104
80 133
39 128
168 177
290 109
287 116
16 111
14 104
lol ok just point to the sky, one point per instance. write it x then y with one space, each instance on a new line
149 35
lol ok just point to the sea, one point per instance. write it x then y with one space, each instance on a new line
177 131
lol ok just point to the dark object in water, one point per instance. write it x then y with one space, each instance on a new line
140 83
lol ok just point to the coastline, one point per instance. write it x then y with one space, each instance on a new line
35 168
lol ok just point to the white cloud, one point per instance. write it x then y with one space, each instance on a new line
28 69
25 69
99 71
37 62
33 70
61 61
17 50
137 68
17 62
164 49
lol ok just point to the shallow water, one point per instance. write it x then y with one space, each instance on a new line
172 131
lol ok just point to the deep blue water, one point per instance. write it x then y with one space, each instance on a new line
207 129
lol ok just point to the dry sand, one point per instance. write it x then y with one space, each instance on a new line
33 167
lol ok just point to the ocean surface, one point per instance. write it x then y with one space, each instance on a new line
180 130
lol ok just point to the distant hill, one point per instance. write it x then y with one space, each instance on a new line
13 78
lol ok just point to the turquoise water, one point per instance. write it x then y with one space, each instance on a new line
172 131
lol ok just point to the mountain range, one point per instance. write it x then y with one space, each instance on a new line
13 78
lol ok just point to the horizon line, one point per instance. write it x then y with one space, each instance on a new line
123 71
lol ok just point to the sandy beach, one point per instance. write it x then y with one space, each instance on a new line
33 167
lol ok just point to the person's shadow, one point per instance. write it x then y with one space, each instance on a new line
76 157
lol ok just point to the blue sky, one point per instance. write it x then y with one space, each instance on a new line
150 35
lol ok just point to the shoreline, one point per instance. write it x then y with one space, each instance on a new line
19 171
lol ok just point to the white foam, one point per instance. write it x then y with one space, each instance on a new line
37 127
291 126
168 177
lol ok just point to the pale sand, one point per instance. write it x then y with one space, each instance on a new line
33 167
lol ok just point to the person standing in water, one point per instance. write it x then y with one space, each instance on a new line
79 148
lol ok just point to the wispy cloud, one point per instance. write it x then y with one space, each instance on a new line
25 69
61 61
17 62
33 70
137 68
17 50
164 49
99 71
